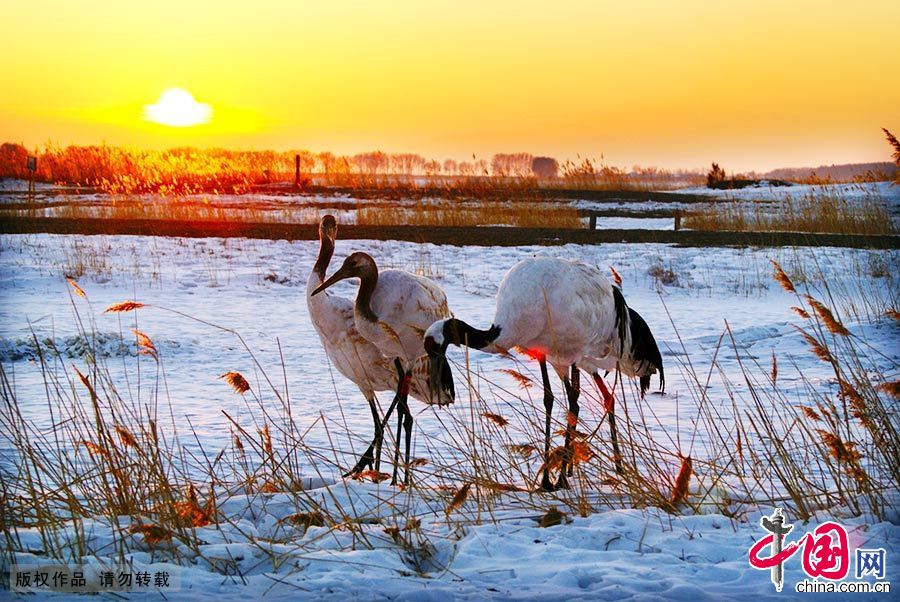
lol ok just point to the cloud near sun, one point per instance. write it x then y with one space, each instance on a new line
178 108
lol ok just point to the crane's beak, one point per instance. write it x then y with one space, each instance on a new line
341 274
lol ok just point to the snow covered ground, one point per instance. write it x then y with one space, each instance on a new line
883 190
257 288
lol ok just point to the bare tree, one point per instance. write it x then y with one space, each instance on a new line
545 167
450 167
432 168
511 164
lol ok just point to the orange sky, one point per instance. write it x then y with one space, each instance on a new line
752 85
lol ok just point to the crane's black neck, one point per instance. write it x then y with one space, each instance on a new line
367 283
457 332
326 250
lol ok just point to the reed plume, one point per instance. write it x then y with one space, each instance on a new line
124 306
78 290
237 381
782 278
833 326
496 419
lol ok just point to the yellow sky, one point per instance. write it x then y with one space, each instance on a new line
752 85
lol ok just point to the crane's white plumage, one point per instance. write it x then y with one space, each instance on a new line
352 355
404 305
355 357
392 310
564 313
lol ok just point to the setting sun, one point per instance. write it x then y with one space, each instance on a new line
177 108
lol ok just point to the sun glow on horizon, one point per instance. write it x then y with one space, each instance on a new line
752 86
177 107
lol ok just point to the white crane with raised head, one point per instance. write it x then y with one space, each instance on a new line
355 357
392 310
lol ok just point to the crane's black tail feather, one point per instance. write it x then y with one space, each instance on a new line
644 350
621 309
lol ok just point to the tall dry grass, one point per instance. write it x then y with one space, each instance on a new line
823 210
184 171
449 213
137 467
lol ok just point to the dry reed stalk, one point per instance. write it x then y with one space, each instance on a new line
833 326
237 381
821 352
680 490
810 413
126 437
417 462
372 475
78 290
842 451
774 372
459 498
266 440
84 381
124 306
145 344
895 145
153 534
782 278
190 510
800 312
496 419
892 388
305 519
522 380
93 448
524 450
496 487
893 313
552 517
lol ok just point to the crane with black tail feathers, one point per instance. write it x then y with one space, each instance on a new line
567 314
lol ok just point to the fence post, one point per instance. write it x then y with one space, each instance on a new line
677 221
31 164
296 171
593 222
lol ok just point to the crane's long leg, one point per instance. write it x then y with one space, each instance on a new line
379 434
370 457
609 402
407 425
573 391
401 382
546 485
374 449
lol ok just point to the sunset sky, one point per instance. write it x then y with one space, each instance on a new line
752 85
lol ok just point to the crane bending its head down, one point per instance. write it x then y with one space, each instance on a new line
565 314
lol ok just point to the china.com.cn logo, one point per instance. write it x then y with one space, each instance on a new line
825 554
